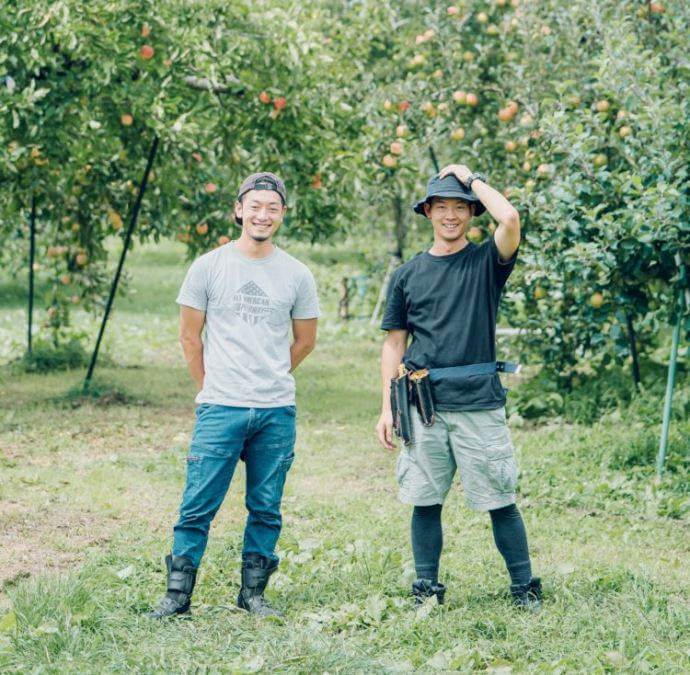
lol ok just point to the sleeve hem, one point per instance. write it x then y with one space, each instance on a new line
191 303
510 261
303 318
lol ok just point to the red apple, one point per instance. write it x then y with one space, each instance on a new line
389 161
475 233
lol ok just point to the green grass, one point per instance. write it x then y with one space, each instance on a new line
88 496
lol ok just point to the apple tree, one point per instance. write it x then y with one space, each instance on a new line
228 90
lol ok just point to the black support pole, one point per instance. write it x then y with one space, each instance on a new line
32 258
434 161
113 289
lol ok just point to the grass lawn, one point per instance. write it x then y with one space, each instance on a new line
89 494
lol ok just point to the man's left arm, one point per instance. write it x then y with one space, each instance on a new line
304 334
507 235
305 313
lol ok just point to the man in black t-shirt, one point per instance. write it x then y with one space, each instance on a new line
446 299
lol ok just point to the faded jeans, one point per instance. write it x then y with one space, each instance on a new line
265 437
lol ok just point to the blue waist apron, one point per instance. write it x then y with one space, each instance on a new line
455 372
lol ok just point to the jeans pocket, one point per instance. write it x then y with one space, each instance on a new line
201 409
502 467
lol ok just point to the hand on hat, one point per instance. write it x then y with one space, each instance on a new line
461 172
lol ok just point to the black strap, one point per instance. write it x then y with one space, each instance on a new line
181 581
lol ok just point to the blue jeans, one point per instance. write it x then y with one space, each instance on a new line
266 439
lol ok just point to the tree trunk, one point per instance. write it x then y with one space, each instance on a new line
400 229
396 238
344 301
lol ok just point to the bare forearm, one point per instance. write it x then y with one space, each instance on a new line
501 210
194 356
391 357
299 350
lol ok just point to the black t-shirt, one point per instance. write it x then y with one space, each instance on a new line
449 306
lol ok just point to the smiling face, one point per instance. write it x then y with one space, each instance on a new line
449 218
261 213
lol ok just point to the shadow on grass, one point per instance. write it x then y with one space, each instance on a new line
100 392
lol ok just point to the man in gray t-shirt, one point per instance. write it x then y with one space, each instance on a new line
247 296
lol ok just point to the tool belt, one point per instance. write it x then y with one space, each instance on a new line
400 405
416 387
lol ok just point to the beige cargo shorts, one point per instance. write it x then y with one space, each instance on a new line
476 442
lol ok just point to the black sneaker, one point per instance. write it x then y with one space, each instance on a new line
527 596
426 588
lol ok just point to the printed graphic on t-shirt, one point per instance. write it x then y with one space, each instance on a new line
251 303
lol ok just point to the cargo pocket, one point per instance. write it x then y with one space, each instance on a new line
281 475
502 467
194 470
402 467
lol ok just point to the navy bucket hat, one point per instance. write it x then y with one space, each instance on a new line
450 187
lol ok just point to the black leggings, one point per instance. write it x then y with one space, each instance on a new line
509 534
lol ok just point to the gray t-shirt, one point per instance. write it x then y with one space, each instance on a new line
249 305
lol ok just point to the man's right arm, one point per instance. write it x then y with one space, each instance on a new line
391 357
191 326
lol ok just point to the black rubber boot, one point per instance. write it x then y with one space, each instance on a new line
425 588
181 580
527 596
256 571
